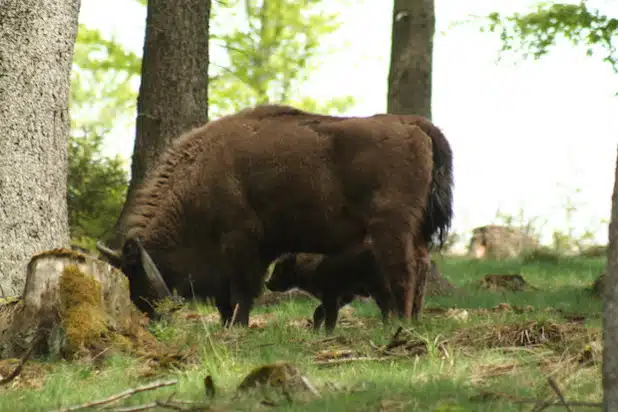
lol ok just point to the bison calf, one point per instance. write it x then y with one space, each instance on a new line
334 279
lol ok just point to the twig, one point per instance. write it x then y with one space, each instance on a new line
180 405
567 404
233 316
135 408
349 360
22 362
121 395
543 403
554 386
309 385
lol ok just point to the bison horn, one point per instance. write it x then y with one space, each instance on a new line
152 272
112 255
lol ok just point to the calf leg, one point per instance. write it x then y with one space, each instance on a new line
331 311
320 311
318 317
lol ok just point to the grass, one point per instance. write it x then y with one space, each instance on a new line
483 363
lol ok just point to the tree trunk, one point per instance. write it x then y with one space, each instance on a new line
409 78
610 311
173 94
36 51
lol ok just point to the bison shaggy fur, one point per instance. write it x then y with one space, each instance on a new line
228 198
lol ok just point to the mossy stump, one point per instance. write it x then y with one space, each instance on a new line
73 304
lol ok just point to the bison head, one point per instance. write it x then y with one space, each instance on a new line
145 281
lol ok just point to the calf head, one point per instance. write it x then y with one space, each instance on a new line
145 281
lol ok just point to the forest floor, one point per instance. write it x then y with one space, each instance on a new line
478 350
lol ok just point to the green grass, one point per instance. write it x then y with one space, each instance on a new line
435 381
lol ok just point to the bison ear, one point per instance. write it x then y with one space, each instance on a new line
150 268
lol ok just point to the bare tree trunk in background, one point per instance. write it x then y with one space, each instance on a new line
173 94
409 78
610 311
36 50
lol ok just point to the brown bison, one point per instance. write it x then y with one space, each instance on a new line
228 198
334 279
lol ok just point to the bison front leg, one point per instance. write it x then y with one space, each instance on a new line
224 304
394 253
245 271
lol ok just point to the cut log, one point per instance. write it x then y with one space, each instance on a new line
437 284
509 282
73 304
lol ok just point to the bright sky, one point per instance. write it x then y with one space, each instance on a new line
524 134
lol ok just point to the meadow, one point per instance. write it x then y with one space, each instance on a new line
477 350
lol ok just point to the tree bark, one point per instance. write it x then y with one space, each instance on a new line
610 311
173 94
36 51
409 78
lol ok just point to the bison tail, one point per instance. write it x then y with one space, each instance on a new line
439 209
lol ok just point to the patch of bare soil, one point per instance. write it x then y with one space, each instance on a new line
509 282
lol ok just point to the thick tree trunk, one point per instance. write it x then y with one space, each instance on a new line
409 78
610 311
173 95
36 50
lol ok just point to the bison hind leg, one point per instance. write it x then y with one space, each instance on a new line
395 259
422 268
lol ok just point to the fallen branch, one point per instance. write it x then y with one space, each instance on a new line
554 386
394 341
122 395
567 404
309 386
22 362
185 406
134 408
544 404
349 360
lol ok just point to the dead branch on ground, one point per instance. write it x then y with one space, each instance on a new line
122 395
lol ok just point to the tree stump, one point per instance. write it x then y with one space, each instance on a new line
73 304
437 284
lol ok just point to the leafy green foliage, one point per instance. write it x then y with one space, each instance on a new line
102 80
96 188
535 33
271 55
101 93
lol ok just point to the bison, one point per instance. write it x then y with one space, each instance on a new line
334 279
228 198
